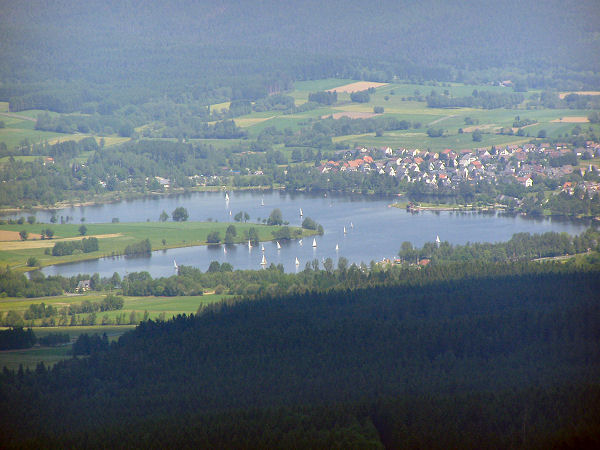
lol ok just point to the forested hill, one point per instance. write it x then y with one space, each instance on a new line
42 39
496 359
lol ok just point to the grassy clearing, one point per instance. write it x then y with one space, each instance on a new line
175 234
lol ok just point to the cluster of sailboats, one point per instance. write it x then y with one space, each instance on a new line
263 261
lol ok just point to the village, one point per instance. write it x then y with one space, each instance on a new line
526 165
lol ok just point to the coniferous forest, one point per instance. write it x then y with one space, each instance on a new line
499 355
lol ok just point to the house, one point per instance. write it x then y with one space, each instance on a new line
525 181
83 285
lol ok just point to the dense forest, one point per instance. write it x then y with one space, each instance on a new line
113 57
506 356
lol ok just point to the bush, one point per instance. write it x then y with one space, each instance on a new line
32 261
180 214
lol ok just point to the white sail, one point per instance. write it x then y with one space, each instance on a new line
314 242
175 265
337 247
437 241
249 245
224 250
345 230
263 262
226 197
263 248
300 242
278 245
262 202
297 262
351 225
301 212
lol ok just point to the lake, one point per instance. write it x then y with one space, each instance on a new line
373 229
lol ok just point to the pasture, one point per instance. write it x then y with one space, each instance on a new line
114 237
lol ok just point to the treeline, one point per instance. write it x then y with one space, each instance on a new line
520 246
323 97
18 338
139 248
495 345
85 245
479 99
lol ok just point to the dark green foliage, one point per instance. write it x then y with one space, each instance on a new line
54 339
484 99
323 97
139 248
180 214
16 338
214 237
85 344
86 245
309 224
435 132
360 96
442 361
275 218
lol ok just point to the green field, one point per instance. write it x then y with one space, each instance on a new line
157 307
175 234
397 99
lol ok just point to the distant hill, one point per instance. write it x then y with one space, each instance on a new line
72 39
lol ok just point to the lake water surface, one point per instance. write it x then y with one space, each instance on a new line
373 229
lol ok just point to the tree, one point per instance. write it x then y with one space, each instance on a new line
82 230
230 234
541 134
24 235
477 136
213 237
163 216
49 233
309 224
180 214
275 218
31 220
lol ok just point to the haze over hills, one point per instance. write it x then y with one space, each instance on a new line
72 40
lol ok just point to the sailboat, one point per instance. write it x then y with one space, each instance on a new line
301 214
249 245
337 247
314 242
300 242
262 202
226 197
175 265
351 225
263 248
224 250
278 245
297 262
437 241
345 230
263 262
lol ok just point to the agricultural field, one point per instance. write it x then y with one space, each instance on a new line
399 100
112 239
